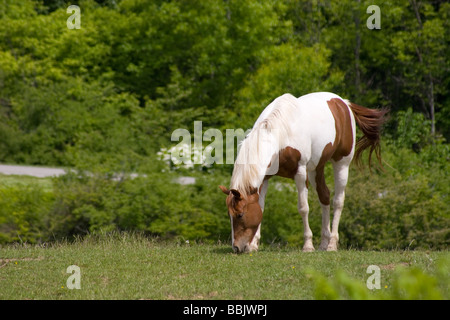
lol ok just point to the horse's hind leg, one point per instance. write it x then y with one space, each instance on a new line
303 207
340 182
317 180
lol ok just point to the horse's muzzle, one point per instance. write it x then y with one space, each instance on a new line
238 249
243 249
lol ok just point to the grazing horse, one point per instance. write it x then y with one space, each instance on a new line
294 138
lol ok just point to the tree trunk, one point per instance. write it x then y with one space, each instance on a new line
430 91
431 103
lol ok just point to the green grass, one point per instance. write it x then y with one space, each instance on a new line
45 184
134 267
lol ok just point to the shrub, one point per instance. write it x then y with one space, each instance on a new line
24 213
154 203
406 284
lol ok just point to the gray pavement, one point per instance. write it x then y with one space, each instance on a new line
39 172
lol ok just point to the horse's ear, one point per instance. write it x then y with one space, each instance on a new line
236 194
224 190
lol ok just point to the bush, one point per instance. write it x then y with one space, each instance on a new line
24 211
393 211
155 204
406 284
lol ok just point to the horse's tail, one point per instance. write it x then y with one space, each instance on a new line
370 121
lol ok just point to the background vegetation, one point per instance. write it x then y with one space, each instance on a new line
104 100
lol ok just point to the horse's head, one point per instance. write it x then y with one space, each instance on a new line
245 216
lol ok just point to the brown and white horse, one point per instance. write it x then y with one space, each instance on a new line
294 138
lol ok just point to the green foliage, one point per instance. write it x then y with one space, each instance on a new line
286 68
156 204
104 99
413 210
405 284
24 211
411 130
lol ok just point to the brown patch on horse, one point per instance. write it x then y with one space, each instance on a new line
288 163
342 146
343 143
322 190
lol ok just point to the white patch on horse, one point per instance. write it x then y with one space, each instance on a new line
262 143
232 231
255 242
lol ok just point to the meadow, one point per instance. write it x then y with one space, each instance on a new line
132 266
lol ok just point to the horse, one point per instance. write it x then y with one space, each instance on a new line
294 138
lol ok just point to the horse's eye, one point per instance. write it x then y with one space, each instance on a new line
240 214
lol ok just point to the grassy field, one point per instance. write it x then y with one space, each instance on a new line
45 184
134 267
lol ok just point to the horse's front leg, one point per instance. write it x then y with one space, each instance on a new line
261 201
262 193
303 207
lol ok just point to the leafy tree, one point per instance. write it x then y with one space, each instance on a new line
286 68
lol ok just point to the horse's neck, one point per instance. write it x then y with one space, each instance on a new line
253 160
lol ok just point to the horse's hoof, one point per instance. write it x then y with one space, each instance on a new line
332 248
308 249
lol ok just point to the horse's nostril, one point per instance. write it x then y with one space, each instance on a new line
236 249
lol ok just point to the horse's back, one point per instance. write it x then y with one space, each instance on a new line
323 96
312 123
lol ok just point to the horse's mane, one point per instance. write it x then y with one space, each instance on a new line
268 136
